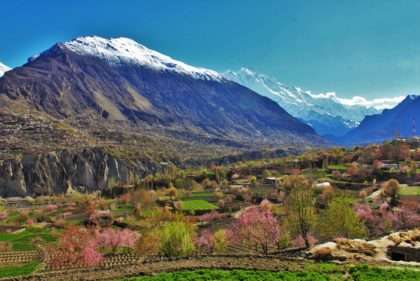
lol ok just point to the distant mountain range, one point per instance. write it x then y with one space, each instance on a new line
327 113
402 120
92 81
3 69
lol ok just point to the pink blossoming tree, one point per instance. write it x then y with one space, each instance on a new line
256 227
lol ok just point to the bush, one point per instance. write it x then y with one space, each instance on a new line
176 239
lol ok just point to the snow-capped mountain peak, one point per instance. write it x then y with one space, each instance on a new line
124 50
321 109
3 69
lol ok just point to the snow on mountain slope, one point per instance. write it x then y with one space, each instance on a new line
124 50
379 127
3 69
325 112
118 80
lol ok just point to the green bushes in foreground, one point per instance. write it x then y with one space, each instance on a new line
365 273
359 273
231 275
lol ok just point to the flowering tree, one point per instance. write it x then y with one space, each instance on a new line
299 242
80 246
76 246
210 217
205 242
115 239
256 227
3 215
91 255
383 219
51 207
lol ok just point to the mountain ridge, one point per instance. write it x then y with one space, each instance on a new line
398 121
176 100
326 112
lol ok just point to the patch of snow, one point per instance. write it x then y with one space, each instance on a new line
299 102
124 50
3 69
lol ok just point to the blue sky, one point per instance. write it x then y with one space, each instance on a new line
354 47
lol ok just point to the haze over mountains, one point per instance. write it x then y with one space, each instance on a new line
327 113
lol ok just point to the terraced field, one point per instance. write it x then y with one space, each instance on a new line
23 241
18 270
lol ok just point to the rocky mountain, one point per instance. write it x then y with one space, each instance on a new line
132 104
3 69
401 120
326 113
121 80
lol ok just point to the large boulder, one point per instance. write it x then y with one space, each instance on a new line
343 249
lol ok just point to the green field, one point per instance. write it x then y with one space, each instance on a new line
201 195
22 241
197 205
214 274
410 190
361 273
18 270
339 167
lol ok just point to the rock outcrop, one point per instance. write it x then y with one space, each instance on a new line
343 249
84 170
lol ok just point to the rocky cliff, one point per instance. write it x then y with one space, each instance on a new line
86 170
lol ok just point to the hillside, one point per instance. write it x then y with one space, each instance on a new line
93 79
398 121
327 113
133 104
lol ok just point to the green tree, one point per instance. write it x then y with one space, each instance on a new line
176 239
300 209
340 220
253 181
220 241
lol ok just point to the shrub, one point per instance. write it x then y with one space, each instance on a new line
220 241
176 239
148 244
